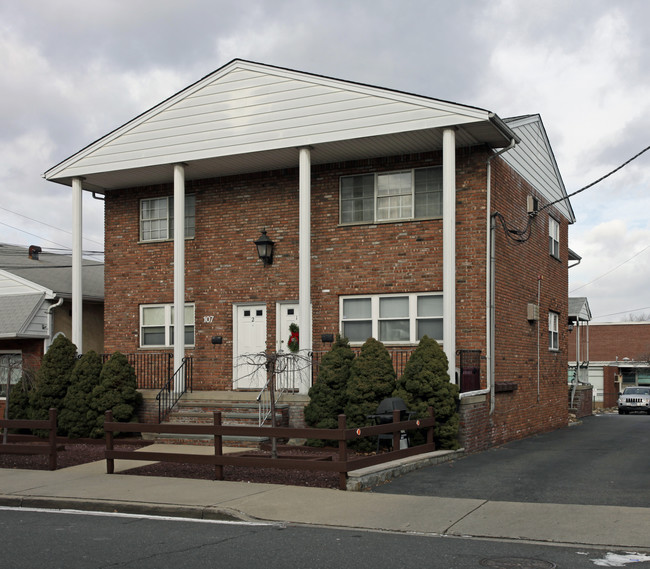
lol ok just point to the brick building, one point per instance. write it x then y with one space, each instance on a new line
392 215
618 357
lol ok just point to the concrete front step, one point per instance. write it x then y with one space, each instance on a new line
207 440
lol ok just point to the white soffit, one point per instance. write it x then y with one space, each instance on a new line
247 116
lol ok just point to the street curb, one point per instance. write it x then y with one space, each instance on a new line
213 513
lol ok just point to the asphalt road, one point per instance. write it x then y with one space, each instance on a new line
81 541
605 460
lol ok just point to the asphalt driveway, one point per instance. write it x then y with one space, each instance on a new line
605 460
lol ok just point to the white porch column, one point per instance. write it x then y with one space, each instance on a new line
77 284
179 272
449 247
304 255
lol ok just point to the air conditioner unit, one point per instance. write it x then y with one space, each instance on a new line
532 312
532 205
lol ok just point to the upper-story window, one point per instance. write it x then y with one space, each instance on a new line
553 331
553 237
390 196
157 218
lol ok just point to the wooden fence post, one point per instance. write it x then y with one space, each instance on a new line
396 434
218 446
343 453
432 427
110 463
52 439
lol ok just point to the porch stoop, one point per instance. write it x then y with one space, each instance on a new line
236 409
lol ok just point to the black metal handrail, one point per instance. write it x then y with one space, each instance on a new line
169 395
152 369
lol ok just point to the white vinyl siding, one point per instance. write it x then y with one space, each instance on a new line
157 218
553 331
390 196
157 325
553 238
392 319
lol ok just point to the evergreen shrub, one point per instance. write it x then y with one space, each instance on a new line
117 391
327 397
424 383
372 379
78 417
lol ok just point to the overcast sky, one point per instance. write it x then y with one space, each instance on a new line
73 70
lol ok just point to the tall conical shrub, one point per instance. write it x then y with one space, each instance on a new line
117 391
425 382
53 378
78 418
372 379
327 397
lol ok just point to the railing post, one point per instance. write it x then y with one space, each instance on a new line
343 453
431 428
396 434
110 463
52 439
218 446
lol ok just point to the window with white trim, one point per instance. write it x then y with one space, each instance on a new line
157 218
389 196
553 331
392 319
157 325
11 370
553 237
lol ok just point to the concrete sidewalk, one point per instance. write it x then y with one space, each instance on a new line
88 487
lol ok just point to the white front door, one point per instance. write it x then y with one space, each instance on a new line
287 315
294 371
249 371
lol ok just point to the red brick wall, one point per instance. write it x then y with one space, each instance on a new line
222 268
609 342
524 270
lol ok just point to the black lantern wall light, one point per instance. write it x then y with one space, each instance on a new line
265 246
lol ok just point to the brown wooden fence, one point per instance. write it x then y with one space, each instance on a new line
28 444
341 463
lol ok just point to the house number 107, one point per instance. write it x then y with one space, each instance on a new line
208 319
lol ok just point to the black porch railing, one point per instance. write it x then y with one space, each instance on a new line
171 393
152 369
399 358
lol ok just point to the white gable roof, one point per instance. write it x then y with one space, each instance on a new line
533 159
248 116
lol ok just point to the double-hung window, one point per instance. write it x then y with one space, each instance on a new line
157 218
553 237
392 319
11 370
157 325
553 331
390 196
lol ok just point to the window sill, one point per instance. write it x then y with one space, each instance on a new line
155 241
388 221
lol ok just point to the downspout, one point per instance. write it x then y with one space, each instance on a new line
489 285
50 323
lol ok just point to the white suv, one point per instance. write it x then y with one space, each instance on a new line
634 399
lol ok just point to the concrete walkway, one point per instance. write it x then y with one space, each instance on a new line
88 487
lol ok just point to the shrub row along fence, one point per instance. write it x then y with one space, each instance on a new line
29 444
342 462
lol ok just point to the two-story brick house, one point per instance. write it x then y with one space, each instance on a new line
392 215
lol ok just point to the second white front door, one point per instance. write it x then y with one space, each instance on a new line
249 371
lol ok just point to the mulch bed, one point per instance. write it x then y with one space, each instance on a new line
76 452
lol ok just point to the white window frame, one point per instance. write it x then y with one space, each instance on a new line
402 205
166 219
167 324
553 331
553 237
376 318
17 374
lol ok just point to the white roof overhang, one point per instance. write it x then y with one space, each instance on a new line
248 117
